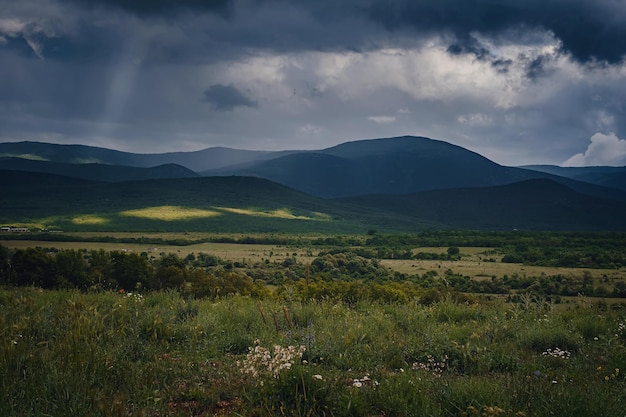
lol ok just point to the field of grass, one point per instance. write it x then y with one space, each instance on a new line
357 340
65 353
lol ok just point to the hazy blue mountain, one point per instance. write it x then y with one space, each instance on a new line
399 165
614 177
97 171
210 158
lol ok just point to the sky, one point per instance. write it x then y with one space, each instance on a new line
518 81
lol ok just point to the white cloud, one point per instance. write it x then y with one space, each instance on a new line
11 27
309 129
382 119
475 119
604 150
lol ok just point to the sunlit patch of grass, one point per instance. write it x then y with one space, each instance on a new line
322 216
89 219
282 213
23 156
87 161
170 213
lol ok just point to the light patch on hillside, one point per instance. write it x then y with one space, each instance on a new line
282 213
88 161
30 156
170 213
89 219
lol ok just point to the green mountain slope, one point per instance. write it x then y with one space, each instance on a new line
224 204
97 171
249 204
531 205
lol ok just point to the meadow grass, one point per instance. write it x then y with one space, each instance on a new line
169 213
68 353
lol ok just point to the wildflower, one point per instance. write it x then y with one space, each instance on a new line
366 380
431 365
261 360
557 353
317 376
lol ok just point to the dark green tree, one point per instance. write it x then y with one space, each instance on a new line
33 266
71 270
130 271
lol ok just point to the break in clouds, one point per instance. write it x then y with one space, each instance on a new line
519 81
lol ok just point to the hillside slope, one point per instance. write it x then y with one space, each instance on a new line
97 171
540 204
614 177
221 204
399 165
249 204
202 160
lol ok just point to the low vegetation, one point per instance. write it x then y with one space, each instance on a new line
325 328
67 353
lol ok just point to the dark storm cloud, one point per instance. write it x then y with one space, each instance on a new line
517 78
588 29
158 7
226 98
536 68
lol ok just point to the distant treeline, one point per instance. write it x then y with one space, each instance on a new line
565 249
342 275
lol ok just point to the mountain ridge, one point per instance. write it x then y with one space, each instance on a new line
397 183
245 204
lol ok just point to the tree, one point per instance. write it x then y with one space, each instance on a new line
99 268
130 271
33 266
171 272
5 257
453 251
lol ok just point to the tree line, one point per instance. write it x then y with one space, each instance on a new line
344 275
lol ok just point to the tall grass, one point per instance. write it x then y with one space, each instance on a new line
65 353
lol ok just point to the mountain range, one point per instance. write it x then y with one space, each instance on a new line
403 183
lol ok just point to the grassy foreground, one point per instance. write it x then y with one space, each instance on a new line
67 353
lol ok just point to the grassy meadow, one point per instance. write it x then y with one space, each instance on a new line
66 353
326 326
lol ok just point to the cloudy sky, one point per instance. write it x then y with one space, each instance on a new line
519 81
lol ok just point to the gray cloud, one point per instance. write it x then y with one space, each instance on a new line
588 29
227 97
521 81
159 7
